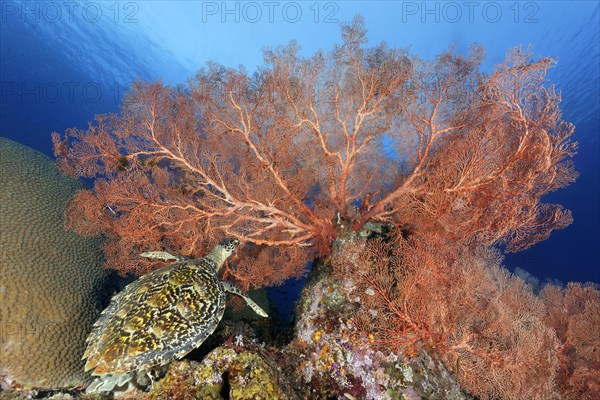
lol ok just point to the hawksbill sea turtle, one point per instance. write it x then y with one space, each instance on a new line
160 317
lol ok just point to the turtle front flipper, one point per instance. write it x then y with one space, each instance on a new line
162 255
233 289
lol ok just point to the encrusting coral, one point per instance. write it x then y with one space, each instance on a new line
50 279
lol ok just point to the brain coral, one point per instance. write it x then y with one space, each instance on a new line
51 280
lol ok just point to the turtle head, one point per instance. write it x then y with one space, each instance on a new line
220 252
229 245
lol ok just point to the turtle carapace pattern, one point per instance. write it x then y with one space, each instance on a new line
163 315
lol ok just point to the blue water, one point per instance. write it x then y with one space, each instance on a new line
61 64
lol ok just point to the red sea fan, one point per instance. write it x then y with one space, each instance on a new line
283 158
485 324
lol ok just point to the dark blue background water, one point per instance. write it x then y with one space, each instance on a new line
61 63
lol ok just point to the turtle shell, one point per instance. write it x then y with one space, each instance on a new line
160 317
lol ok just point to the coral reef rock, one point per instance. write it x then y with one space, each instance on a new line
223 374
51 280
337 360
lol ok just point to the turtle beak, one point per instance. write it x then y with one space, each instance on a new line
234 244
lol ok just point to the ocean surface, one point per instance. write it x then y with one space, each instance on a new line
63 62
